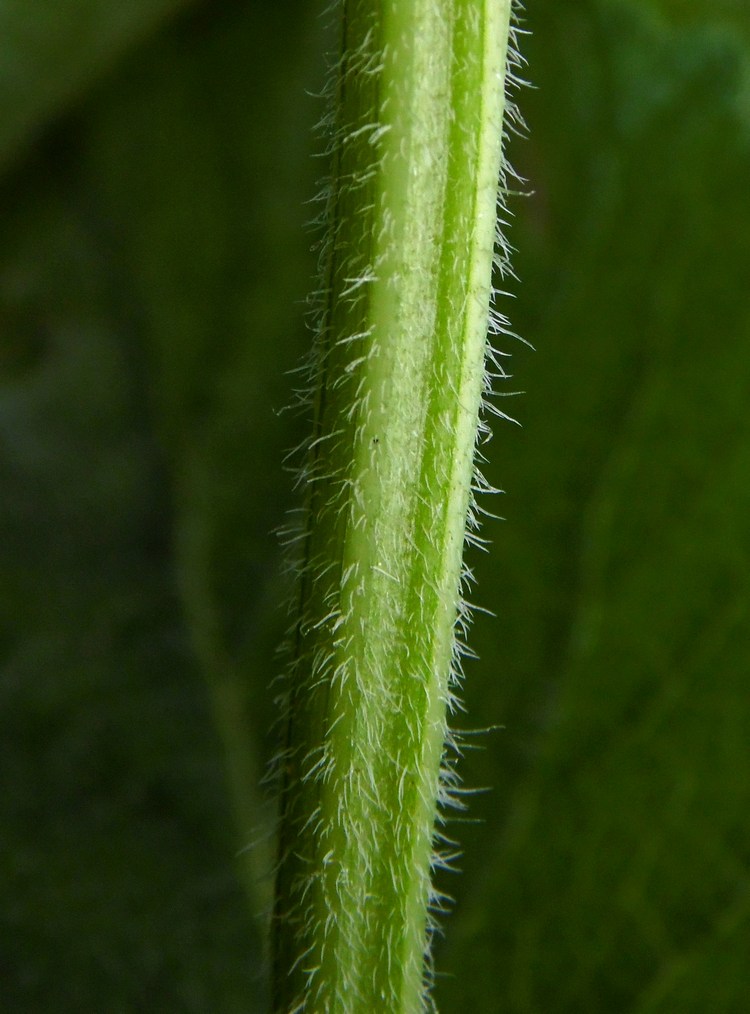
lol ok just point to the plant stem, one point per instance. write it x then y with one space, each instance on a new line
398 383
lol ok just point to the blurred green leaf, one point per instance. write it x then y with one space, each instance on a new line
618 857
110 767
50 52
140 374
724 12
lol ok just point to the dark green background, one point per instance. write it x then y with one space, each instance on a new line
156 157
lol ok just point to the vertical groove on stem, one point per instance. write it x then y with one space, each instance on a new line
397 385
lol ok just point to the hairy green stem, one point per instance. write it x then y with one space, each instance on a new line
397 384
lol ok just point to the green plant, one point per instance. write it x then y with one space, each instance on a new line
398 376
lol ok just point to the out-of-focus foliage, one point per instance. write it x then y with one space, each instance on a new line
152 270
51 52
699 12
618 820
152 275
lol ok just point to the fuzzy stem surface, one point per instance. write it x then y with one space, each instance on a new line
397 383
